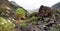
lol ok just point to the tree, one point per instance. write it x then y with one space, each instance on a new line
20 13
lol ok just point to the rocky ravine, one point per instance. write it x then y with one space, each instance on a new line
47 18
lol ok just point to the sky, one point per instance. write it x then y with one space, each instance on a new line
35 4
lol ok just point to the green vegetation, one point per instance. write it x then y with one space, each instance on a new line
5 25
33 14
0 9
33 18
55 29
22 25
20 13
19 17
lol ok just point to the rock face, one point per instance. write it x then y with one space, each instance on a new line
56 6
44 11
5 8
14 5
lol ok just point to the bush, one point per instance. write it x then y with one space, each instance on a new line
33 18
20 13
5 25
22 25
33 14
57 28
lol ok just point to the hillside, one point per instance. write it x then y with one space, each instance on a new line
10 6
56 6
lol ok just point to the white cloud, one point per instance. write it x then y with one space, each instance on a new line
34 4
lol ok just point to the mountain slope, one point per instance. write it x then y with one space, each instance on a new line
9 7
56 6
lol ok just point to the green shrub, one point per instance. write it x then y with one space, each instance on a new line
57 28
20 11
33 18
22 25
5 25
33 14
33 23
